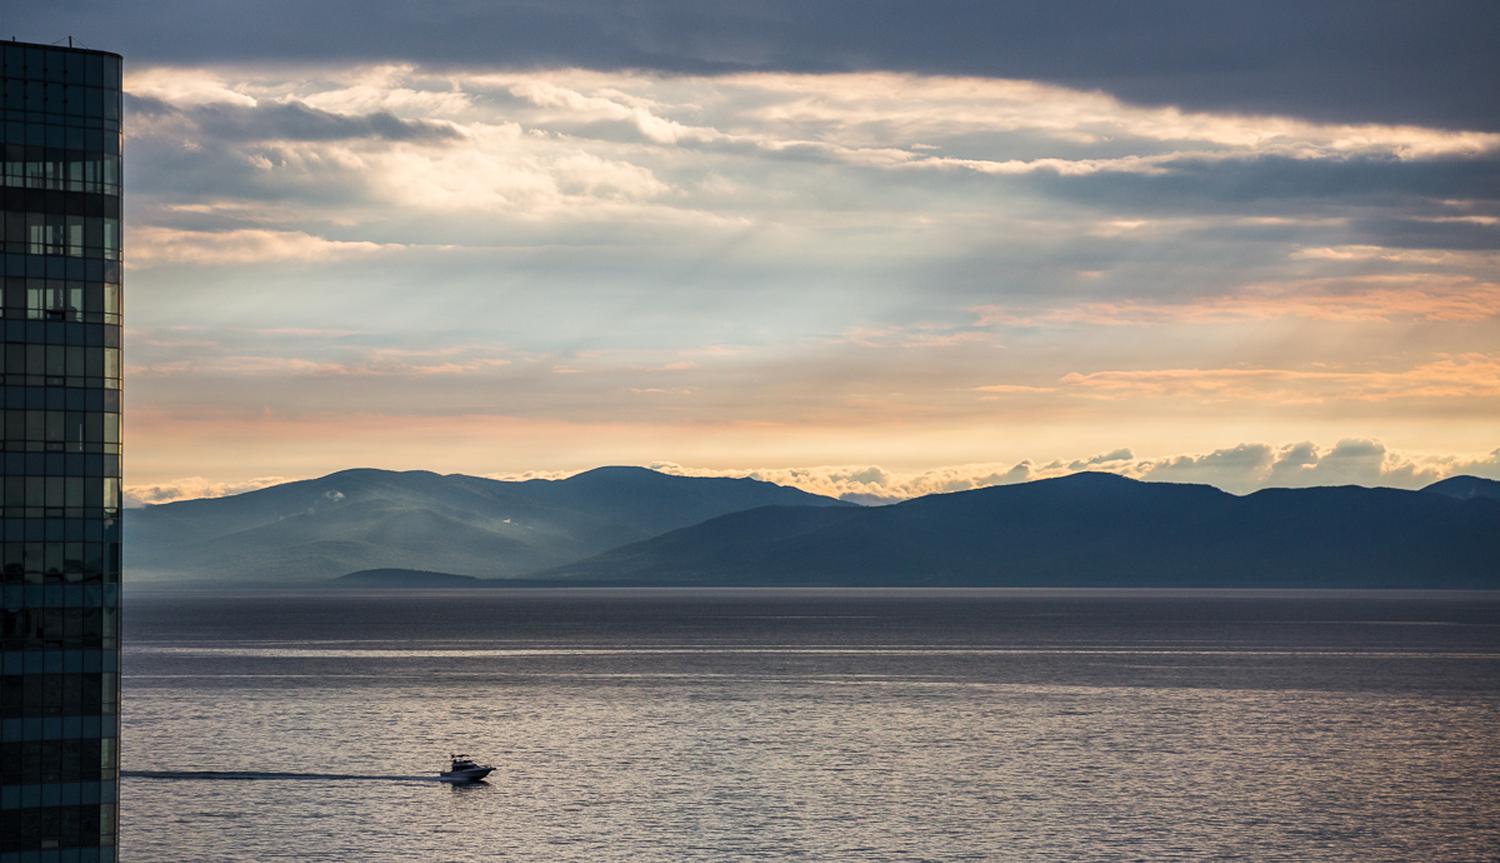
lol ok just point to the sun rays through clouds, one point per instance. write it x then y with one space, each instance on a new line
931 269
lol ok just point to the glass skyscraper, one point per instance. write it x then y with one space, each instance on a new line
60 450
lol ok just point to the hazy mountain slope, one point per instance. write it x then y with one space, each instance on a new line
387 578
644 500
1087 529
317 529
1466 487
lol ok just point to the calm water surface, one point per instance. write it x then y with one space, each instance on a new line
813 725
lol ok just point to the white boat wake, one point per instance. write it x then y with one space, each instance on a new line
269 776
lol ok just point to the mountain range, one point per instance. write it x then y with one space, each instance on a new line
317 529
632 526
1091 529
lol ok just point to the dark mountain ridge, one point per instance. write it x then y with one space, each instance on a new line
1466 487
1087 529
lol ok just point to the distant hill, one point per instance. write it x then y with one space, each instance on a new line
406 578
1466 487
314 530
1088 529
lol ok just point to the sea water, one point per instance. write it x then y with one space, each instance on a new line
858 725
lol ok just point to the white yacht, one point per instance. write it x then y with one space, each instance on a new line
464 769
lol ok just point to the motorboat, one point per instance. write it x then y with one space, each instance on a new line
464 769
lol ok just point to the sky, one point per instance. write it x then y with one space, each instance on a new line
872 249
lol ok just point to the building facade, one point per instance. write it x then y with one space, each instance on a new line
60 374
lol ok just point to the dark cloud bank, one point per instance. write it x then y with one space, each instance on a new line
290 121
1431 63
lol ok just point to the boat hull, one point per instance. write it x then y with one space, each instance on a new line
473 774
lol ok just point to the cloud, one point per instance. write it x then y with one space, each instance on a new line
1385 297
1465 376
155 246
883 121
782 266
1430 257
935 106
1114 457
241 117
871 484
996 390
1220 467
193 487
158 91
608 105
1247 467
293 353
873 120
921 336
1329 59
1239 469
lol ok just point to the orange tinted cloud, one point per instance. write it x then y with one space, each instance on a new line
1464 376
1433 297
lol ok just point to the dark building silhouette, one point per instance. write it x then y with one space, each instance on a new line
60 451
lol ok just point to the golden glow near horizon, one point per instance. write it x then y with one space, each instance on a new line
901 283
